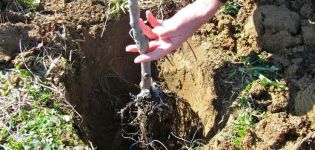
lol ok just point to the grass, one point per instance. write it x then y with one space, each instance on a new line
40 129
116 7
26 7
242 124
34 115
29 7
30 4
258 69
33 111
254 70
231 8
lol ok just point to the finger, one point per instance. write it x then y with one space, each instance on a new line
147 30
156 54
152 20
134 48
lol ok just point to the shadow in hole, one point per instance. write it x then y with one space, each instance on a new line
100 80
282 28
181 121
224 84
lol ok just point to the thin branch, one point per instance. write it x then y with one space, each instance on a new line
192 50
20 46
168 59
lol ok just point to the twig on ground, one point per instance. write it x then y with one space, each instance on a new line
25 65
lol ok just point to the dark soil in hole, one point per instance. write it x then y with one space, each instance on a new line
101 81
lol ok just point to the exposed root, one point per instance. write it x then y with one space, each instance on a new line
153 123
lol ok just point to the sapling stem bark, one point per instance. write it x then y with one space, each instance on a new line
143 44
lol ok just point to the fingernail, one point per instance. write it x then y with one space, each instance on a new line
138 59
127 49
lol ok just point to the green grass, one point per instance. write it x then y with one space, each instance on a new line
40 129
33 115
231 8
116 7
258 70
241 126
30 4
254 70
28 7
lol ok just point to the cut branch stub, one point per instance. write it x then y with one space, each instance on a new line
143 44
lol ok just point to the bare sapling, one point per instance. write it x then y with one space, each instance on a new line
143 44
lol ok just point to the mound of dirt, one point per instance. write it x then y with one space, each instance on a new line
11 35
79 12
276 131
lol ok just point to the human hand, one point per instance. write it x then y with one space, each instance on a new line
165 38
168 35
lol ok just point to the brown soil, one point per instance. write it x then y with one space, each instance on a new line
205 72
10 37
281 28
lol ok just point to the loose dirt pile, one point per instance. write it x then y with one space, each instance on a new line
207 75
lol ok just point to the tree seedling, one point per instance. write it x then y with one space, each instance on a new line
143 44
